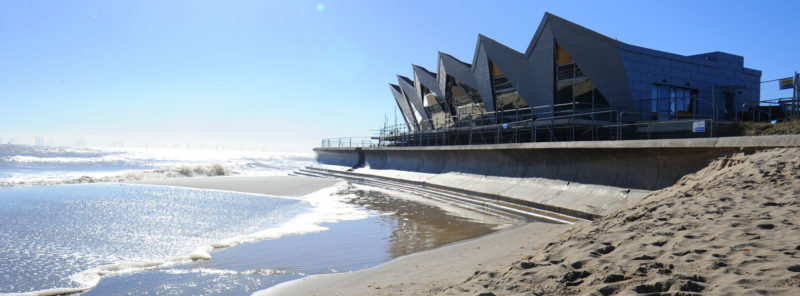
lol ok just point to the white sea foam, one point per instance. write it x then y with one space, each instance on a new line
265 271
36 165
327 207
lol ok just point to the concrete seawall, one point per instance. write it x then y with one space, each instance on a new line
589 177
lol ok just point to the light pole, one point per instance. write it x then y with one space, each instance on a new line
795 94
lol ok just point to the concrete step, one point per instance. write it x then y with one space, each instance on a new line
506 205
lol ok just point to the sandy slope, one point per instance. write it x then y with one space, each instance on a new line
732 228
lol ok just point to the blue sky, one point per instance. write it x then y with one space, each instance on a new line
281 75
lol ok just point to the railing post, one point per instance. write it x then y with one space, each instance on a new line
533 131
469 138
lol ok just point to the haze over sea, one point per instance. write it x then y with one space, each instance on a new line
40 165
105 236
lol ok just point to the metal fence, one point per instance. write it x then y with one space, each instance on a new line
573 122
349 142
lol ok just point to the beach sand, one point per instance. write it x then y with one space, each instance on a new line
732 228
290 186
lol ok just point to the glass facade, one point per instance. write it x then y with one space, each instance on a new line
465 101
574 91
417 116
437 112
506 98
672 102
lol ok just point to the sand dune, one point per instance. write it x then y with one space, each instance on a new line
732 228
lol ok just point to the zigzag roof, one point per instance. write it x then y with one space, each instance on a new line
407 86
531 72
449 65
402 103
428 79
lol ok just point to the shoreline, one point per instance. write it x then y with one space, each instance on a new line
730 227
500 246
435 269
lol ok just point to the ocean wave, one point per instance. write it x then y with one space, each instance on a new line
52 152
121 177
38 166
328 206
62 160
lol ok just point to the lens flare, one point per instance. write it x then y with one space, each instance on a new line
320 7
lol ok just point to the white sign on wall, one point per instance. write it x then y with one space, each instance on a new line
699 126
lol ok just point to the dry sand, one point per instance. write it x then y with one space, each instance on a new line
290 186
730 229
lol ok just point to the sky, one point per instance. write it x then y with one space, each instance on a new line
283 75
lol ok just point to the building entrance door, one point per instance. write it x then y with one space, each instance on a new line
729 108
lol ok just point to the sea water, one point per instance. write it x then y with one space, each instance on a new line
45 165
113 238
67 237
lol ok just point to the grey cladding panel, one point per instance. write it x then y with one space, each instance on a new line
428 80
541 68
407 86
457 69
402 103
480 70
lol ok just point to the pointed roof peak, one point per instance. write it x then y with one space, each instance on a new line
402 78
421 68
449 56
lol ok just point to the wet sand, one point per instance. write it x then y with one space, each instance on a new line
419 226
420 273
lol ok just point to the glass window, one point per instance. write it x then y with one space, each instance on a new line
437 112
465 101
506 98
574 90
672 102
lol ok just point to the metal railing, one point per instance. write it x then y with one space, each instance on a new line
591 118
568 122
349 142
769 110
648 125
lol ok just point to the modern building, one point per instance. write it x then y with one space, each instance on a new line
568 69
